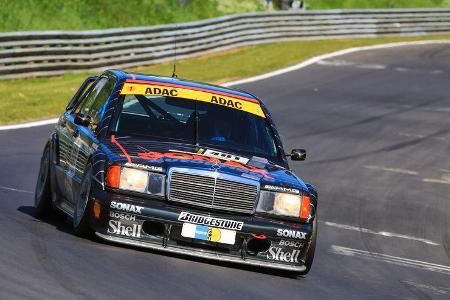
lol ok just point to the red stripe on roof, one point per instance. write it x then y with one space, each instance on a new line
193 88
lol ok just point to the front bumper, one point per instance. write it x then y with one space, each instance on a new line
155 224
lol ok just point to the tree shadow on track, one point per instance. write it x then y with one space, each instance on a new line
390 148
376 118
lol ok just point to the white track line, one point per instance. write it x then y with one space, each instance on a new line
14 190
30 124
432 180
393 170
382 233
298 66
395 260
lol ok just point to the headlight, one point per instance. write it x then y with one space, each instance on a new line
133 180
136 180
283 204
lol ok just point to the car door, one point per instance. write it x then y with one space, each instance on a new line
85 140
65 138
74 139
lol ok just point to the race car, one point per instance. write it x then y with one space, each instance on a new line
178 166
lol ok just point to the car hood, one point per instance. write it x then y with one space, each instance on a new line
162 156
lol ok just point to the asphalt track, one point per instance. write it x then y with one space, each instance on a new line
376 125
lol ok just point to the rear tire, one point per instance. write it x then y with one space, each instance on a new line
82 212
43 191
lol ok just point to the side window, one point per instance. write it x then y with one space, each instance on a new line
80 93
87 102
91 105
95 111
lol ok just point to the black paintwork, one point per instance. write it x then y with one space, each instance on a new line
76 143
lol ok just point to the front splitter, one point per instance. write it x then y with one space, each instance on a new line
201 254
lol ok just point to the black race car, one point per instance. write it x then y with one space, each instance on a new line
178 166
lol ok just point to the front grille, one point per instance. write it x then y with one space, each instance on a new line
206 191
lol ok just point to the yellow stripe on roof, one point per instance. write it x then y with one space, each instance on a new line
179 92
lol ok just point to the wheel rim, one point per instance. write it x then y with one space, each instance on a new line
83 198
42 177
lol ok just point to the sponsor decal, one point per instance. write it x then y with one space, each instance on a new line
280 254
223 156
126 207
206 233
210 221
281 189
116 227
292 234
288 243
226 102
193 156
145 167
122 216
242 103
156 91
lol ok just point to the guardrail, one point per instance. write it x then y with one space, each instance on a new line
25 54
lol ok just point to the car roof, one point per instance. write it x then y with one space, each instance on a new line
174 80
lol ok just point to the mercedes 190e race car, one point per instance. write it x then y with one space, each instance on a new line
178 166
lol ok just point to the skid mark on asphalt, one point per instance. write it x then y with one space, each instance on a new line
395 260
394 170
9 189
420 136
445 178
345 63
427 287
374 66
381 233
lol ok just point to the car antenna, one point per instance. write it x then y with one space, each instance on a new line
174 74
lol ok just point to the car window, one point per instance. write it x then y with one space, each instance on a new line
87 102
216 126
81 92
96 109
92 104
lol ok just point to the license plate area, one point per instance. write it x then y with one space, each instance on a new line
206 233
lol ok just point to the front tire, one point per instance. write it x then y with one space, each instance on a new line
81 216
43 191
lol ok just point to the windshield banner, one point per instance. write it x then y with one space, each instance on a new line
251 106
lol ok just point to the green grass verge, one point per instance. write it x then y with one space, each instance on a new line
40 98
344 4
20 15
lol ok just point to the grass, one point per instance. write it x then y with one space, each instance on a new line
26 15
21 15
40 98
343 4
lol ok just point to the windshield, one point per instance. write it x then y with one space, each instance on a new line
196 122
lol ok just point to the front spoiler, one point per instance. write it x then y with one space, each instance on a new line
201 254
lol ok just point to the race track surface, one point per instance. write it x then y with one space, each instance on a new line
376 125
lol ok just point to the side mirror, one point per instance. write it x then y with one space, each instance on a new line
82 119
298 154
